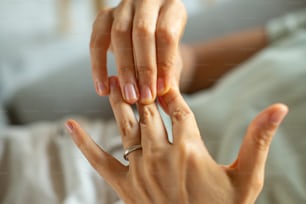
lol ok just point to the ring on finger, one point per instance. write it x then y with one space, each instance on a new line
130 150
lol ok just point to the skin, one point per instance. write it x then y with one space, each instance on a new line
144 69
182 172
205 63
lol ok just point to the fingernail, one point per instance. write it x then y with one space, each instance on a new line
161 86
130 93
278 116
69 127
100 88
146 94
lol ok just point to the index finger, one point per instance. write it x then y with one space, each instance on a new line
170 27
183 121
105 164
99 44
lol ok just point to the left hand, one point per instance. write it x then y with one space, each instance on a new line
182 172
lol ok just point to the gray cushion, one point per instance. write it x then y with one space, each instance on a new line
67 91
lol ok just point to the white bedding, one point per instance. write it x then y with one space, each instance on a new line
40 164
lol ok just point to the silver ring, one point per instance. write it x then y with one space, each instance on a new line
130 150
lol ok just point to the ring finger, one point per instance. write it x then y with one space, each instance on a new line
126 120
122 47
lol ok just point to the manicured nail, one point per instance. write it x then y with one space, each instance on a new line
278 116
146 94
100 88
161 86
130 93
69 127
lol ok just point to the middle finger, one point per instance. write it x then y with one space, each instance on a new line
126 120
153 133
144 26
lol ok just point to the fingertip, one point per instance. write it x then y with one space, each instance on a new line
265 125
162 86
272 116
102 88
73 129
69 126
278 114
130 93
147 95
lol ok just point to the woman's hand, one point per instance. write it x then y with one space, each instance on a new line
144 36
182 172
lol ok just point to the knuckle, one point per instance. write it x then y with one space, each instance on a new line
166 65
125 71
121 29
102 13
166 34
181 114
143 29
147 114
263 139
146 71
128 127
101 17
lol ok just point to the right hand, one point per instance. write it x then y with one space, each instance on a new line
144 36
182 172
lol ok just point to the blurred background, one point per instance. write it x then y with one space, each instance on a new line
44 56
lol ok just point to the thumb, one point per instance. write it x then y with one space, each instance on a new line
255 147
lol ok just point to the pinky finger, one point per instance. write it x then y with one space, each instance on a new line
105 164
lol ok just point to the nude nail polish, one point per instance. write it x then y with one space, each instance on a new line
100 88
130 93
69 127
146 94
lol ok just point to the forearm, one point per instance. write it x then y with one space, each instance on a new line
205 63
